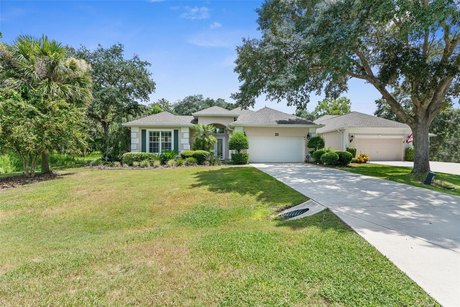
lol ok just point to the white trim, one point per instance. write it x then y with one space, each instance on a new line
275 125
147 139
377 136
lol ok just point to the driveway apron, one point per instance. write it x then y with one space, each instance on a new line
417 229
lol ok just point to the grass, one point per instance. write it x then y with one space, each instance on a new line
185 236
403 175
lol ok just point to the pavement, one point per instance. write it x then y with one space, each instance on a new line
435 166
417 229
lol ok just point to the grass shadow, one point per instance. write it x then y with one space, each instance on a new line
249 181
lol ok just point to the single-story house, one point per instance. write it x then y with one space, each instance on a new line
273 136
380 138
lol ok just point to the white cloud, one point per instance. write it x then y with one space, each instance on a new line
215 25
196 13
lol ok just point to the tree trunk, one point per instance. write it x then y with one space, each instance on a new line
420 132
46 162
105 131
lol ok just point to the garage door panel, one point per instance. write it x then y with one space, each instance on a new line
276 149
380 149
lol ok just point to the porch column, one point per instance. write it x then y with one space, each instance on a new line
184 138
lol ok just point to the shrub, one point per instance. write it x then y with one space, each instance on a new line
345 158
136 164
187 154
352 150
156 163
362 158
167 155
96 162
130 157
315 143
240 158
8 164
179 161
409 154
171 163
144 163
116 164
238 141
213 160
201 156
190 161
318 153
329 158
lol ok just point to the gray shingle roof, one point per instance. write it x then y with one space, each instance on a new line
163 119
269 117
215 111
324 117
357 119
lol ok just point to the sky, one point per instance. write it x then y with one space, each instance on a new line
190 44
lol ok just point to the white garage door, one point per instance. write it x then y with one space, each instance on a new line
276 149
380 149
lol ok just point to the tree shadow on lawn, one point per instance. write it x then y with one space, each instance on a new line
249 181
268 190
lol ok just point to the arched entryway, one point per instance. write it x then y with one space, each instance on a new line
221 145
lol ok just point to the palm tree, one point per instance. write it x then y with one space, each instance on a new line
205 138
41 68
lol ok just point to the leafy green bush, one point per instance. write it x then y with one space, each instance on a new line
238 141
315 143
187 154
9 164
316 155
213 160
167 155
201 156
352 150
190 161
130 157
345 158
171 163
330 158
240 158
144 163
156 163
409 154
179 161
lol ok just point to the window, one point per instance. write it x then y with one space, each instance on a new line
218 130
160 141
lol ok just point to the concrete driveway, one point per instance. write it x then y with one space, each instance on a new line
442 167
417 229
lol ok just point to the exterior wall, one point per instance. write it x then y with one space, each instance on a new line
282 131
333 140
135 139
207 120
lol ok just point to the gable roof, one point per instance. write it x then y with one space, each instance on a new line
324 117
270 117
355 120
163 119
215 111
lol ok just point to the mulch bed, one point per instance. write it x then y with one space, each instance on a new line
17 181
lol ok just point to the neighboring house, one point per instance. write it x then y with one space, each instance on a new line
380 138
273 136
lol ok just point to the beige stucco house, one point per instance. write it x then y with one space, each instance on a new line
273 136
381 139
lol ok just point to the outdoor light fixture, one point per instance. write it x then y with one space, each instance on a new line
351 138
308 136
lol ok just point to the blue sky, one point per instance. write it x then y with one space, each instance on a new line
190 44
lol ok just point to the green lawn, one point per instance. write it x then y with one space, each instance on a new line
185 236
403 175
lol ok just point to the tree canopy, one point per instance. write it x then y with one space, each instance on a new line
120 87
195 103
317 46
329 106
43 86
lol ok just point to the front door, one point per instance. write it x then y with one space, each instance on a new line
219 148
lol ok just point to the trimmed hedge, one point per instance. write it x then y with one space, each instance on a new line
190 161
201 156
345 158
130 157
240 158
409 154
316 155
352 150
238 141
330 158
